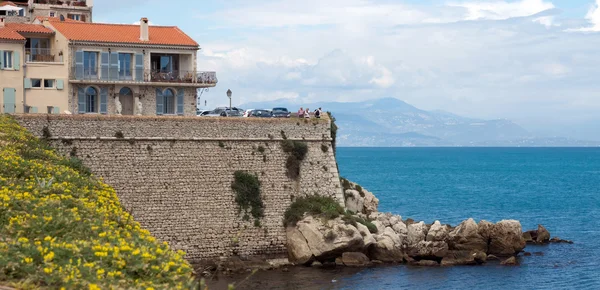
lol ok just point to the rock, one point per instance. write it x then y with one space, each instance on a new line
506 238
492 257
416 233
368 238
464 258
354 202
428 250
484 229
370 202
379 225
331 240
400 228
339 262
384 218
355 259
465 237
394 220
427 263
527 237
285 269
437 233
316 264
299 252
376 262
526 254
512 261
559 240
538 253
385 250
543 236
480 257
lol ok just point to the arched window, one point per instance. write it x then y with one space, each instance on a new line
91 98
169 101
125 92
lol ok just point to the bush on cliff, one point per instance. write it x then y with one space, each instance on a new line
61 228
296 153
319 206
247 194
353 220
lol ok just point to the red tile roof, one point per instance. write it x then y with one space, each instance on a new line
4 3
122 33
9 34
30 28
51 19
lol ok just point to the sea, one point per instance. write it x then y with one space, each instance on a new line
556 187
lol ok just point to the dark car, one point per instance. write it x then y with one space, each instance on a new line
260 114
280 113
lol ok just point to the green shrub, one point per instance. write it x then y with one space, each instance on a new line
283 135
324 148
261 149
320 206
350 219
75 164
221 144
345 184
333 129
46 133
297 151
247 189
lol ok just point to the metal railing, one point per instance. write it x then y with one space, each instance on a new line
43 55
80 3
142 75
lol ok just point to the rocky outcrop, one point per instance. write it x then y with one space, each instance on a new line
539 236
355 259
298 251
466 237
359 200
354 202
506 238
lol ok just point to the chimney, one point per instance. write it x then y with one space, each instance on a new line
144 34
2 22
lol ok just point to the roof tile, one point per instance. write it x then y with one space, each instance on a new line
9 34
30 28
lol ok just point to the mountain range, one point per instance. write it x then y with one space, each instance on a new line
390 122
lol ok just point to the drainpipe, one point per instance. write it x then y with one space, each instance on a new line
24 77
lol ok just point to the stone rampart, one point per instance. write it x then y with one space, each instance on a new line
175 173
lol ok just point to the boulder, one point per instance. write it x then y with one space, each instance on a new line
385 250
506 238
355 259
384 218
354 202
464 258
368 238
484 229
331 240
466 237
512 261
492 257
543 236
437 233
429 250
339 262
379 225
298 251
400 228
426 263
394 220
370 203
528 237
416 233
559 240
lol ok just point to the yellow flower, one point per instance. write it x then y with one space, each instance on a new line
28 260
136 252
48 238
94 287
49 257
47 270
48 218
102 234
23 240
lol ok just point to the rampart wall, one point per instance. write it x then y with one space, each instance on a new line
175 173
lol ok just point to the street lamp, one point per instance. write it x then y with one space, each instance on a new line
229 96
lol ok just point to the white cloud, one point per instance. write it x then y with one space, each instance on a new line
498 10
593 17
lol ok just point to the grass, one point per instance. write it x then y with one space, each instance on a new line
319 206
247 195
297 151
353 220
61 227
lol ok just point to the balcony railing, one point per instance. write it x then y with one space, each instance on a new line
142 75
44 55
80 3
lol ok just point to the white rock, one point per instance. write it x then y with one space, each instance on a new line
437 233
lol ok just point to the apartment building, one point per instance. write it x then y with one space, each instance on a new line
66 66
79 10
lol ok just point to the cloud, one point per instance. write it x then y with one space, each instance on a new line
500 10
593 17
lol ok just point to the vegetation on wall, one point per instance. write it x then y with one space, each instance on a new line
333 130
296 151
247 195
63 228
319 206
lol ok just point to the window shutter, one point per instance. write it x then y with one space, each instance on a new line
114 66
103 100
79 64
16 60
82 18
159 102
104 66
9 100
33 110
60 84
1 59
27 83
180 97
81 102
56 110
139 67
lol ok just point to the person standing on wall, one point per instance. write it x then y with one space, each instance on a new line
318 113
301 112
307 113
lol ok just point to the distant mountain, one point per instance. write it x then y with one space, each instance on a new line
392 122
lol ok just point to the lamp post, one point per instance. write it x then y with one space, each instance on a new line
229 96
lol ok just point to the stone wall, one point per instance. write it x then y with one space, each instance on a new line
175 174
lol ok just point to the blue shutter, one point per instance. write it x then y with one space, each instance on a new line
159 102
81 102
114 66
16 60
10 102
103 100
180 97
104 66
56 110
139 67
27 83
60 84
79 65
1 59
33 110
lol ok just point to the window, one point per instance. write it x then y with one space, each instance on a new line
7 59
52 14
90 63
125 66
74 17
91 99
48 83
36 83
169 101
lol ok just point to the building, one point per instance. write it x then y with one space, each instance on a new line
65 66
80 10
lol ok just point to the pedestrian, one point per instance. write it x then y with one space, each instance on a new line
318 113
301 113
307 113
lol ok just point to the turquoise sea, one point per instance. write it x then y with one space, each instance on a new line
556 187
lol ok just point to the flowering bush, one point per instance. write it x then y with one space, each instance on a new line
61 227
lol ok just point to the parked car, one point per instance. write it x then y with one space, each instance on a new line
280 113
202 113
224 112
261 114
247 113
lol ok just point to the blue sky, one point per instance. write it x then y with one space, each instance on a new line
535 62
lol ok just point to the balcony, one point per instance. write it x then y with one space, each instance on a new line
72 3
140 76
43 55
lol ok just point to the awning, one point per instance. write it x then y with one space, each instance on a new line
10 8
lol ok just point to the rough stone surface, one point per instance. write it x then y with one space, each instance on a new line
427 263
425 249
512 261
385 250
368 238
329 241
298 251
355 259
543 236
465 237
437 233
354 202
416 233
174 176
506 238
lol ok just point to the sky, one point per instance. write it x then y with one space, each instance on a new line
535 62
